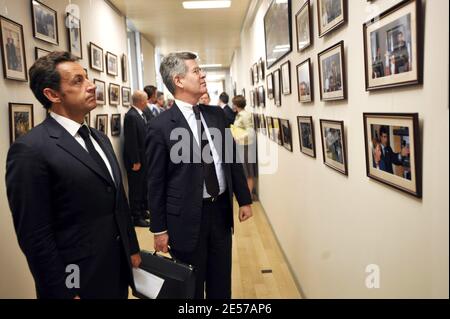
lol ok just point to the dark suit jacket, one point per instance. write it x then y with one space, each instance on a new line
65 210
148 114
229 114
388 158
175 190
134 139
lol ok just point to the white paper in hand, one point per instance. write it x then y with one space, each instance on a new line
146 283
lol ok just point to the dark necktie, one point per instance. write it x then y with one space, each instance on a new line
84 133
209 169
143 117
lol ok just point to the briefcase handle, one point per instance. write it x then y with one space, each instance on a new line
155 253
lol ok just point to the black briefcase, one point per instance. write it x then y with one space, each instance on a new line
179 278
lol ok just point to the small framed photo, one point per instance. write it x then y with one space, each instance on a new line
306 135
96 57
269 80
126 96
269 122
286 134
115 124
393 155
111 64
39 52
304 27
331 15
277 87
261 96
124 68
251 77
256 121
100 92
101 123
73 25
332 73
277 131
255 74
87 119
252 99
286 77
333 145
304 82
114 94
263 124
45 22
393 47
261 70
13 50
21 119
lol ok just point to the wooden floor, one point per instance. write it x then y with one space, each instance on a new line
254 249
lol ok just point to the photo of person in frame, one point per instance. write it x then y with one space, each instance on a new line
307 139
334 145
13 54
332 73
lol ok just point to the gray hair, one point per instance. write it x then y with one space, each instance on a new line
173 65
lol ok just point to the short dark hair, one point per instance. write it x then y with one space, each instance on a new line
384 130
239 101
159 94
224 98
43 74
150 90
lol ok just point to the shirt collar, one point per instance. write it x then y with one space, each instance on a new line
138 110
71 126
185 108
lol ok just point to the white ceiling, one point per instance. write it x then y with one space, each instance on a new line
212 33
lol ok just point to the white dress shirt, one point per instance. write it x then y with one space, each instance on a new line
72 127
188 113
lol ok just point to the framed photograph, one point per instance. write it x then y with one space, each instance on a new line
255 121
331 15
261 72
252 79
304 82
286 134
332 73
39 52
261 96
126 96
96 57
100 92
87 119
393 155
333 145
277 31
269 122
304 27
45 22
21 120
101 123
277 131
269 82
306 135
115 124
286 77
73 25
255 74
111 64
13 50
114 94
124 68
393 47
263 124
252 99
277 87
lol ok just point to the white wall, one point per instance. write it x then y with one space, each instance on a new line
103 26
330 226
148 65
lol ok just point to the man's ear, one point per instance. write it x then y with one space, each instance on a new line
52 95
177 80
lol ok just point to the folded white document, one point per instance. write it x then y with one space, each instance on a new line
146 283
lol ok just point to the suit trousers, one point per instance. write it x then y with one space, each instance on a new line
137 192
212 256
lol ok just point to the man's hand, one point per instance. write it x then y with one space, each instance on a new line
77 298
245 212
136 260
162 242
136 167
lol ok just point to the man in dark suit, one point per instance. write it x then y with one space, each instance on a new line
151 91
229 114
190 192
134 157
388 156
65 192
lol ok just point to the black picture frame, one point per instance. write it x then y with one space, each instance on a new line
393 150
306 135
338 20
327 59
96 57
116 124
112 64
278 137
252 79
100 92
126 96
114 94
286 78
73 26
14 59
261 96
333 145
124 68
304 27
277 31
101 123
286 134
21 120
305 85
277 87
45 22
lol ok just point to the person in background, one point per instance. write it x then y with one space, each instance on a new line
170 103
151 101
223 103
159 103
204 99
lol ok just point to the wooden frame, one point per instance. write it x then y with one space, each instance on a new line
126 96
41 16
116 124
333 145
101 123
286 134
303 27
307 140
112 64
305 87
393 153
100 92
13 56
96 57
333 59
337 21
73 25
114 94
277 87
286 77
21 120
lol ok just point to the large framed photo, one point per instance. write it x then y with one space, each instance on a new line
393 47
304 27
277 87
393 150
277 31
96 57
124 68
111 64
115 124
13 50
261 96
21 119
286 77
304 82
331 15
269 80
45 22
101 123
332 73
333 145
73 25
126 96
306 135
286 134
100 92
114 94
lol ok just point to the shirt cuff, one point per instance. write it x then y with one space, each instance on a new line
160 233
